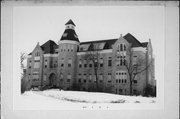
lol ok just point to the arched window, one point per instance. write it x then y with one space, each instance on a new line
124 47
121 47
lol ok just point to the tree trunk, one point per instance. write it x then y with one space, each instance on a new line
130 86
96 80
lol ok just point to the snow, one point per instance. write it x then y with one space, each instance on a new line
57 96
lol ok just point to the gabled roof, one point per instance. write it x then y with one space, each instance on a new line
144 44
131 39
109 42
70 22
49 47
70 34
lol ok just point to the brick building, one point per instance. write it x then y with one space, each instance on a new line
72 64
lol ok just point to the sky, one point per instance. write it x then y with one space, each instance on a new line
33 24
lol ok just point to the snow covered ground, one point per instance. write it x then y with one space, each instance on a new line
58 96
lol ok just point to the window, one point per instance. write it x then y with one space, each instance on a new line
84 47
61 77
101 62
90 65
68 77
135 81
109 62
45 64
121 76
121 60
35 76
37 53
80 63
65 34
79 80
29 67
62 65
36 64
44 78
85 63
124 47
134 91
71 48
109 77
84 80
121 47
120 91
100 78
69 62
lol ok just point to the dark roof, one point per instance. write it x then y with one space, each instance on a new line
49 47
69 34
131 39
144 44
108 43
70 22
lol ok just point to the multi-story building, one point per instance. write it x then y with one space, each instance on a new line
107 65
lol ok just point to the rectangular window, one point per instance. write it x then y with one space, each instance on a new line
135 81
85 63
120 91
79 80
80 63
62 65
100 78
68 77
37 58
109 77
69 62
35 76
109 62
90 65
36 64
121 47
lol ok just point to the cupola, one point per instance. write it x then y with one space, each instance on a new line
69 33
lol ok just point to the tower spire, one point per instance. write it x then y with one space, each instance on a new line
70 22
69 33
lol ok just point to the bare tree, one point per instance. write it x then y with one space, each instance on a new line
135 67
23 83
93 56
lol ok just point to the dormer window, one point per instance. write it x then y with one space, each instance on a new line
75 36
65 34
84 47
98 46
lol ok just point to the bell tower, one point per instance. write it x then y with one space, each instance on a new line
67 57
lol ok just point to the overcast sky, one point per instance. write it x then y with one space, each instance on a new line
32 24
